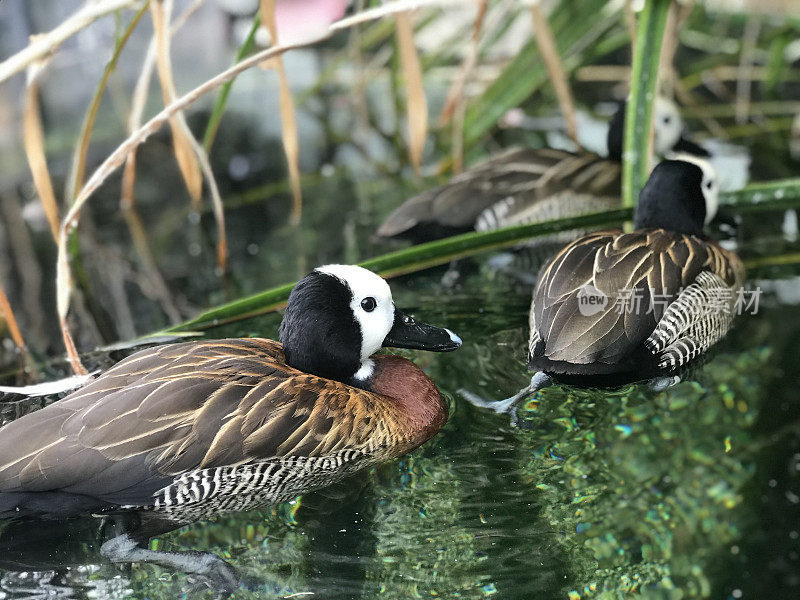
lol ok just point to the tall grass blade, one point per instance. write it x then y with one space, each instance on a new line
637 141
78 172
222 96
772 195
576 27
7 315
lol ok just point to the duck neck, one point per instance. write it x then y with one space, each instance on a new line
614 138
325 362
364 376
671 204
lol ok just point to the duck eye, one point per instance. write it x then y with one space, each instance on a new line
667 120
709 185
369 304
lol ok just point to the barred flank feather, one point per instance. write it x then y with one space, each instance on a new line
685 285
193 428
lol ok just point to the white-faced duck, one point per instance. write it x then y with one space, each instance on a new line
614 307
192 429
527 185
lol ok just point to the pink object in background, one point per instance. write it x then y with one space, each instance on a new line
300 21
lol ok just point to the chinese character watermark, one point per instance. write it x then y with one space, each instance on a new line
592 301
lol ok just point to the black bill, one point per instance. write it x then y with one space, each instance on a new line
408 333
686 145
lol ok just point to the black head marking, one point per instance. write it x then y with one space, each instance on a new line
615 128
673 199
319 332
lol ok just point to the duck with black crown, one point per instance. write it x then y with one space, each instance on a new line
665 293
189 430
530 185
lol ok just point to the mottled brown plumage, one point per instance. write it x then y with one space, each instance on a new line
195 406
650 267
509 189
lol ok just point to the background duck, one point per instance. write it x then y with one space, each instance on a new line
663 294
191 429
614 307
526 185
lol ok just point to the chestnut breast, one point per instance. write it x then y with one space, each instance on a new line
420 410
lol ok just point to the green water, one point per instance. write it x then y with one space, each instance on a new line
688 493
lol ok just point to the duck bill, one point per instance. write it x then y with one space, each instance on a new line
408 333
686 145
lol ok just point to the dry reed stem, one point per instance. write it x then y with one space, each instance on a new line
29 271
416 103
117 158
216 199
359 94
630 24
140 92
127 202
13 328
456 91
78 171
291 146
161 11
669 45
33 141
455 104
45 44
72 353
390 8
552 62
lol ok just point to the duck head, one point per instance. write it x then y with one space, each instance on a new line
667 131
681 195
340 315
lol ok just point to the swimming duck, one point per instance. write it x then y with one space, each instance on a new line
525 185
642 304
191 429
614 307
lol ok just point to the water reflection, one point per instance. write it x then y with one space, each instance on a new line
613 492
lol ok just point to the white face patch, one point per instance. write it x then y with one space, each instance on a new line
709 185
667 125
375 323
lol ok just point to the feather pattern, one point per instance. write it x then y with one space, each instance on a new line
507 189
653 284
195 420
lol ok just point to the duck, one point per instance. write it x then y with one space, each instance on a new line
615 307
527 185
188 430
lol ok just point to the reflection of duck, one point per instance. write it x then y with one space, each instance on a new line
188 430
529 185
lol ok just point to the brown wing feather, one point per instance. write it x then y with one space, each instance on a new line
175 408
657 264
527 175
